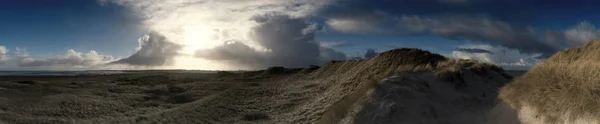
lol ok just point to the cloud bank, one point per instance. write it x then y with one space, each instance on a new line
3 55
262 33
357 25
481 21
153 50
71 59
582 33
508 58
333 44
481 30
286 41
521 59
245 34
253 34
370 53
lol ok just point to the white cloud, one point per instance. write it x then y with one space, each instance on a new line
234 52
359 21
287 41
354 25
334 44
208 26
207 23
3 50
3 55
484 30
21 52
582 33
505 57
71 59
454 27
153 50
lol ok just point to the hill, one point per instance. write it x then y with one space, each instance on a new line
561 89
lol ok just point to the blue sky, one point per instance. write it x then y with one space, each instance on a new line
530 30
52 27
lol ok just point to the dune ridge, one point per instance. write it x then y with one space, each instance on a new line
355 84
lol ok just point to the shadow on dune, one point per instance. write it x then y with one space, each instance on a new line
460 92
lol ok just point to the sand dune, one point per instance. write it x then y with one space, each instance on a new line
397 86
562 89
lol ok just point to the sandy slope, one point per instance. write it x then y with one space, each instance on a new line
402 85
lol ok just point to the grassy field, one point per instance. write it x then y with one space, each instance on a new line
139 97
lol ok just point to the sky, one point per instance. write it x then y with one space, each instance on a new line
242 34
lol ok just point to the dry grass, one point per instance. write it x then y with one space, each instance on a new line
423 71
349 82
588 52
310 69
453 70
562 89
557 90
95 99
447 91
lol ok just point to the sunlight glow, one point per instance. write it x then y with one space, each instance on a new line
198 37
191 63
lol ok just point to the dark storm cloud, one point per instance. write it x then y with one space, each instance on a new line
455 1
233 51
495 22
330 54
288 42
153 50
481 30
473 50
370 53
374 9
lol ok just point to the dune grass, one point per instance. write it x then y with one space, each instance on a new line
558 91
563 89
